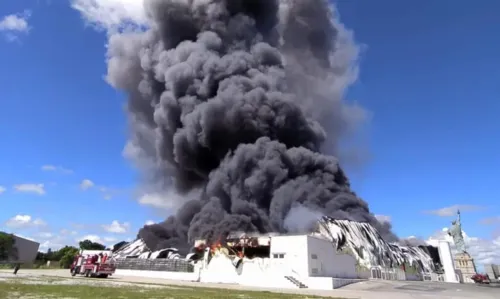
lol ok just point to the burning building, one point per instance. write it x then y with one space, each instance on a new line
231 102
335 253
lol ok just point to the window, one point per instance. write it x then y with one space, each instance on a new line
278 255
314 256
314 270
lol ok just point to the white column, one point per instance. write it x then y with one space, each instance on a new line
447 261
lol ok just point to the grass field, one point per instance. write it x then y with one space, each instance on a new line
51 289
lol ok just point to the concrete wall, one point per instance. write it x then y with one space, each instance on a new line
325 261
26 250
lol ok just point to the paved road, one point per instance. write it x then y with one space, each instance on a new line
362 290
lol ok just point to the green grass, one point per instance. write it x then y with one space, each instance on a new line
19 290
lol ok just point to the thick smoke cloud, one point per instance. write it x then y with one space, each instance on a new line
236 98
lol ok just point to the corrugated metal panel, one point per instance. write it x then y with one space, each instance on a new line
154 265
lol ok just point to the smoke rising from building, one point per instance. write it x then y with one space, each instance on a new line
241 100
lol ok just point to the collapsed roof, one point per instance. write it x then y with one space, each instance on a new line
369 248
139 249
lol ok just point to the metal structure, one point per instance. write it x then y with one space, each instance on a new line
169 265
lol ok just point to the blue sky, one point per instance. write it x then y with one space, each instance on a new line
429 77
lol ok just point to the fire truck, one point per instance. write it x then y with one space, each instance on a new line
93 263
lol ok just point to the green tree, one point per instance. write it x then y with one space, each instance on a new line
49 256
58 255
68 255
41 256
89 245
8 248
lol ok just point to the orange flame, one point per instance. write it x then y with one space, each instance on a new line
215 246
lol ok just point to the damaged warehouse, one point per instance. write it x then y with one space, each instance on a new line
338 252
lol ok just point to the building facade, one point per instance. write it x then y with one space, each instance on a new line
26 250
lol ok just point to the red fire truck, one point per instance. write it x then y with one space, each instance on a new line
93 263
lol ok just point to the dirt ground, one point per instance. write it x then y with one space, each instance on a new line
362 290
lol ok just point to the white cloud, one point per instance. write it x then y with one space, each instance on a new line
86 184
109 193
107 241
54 168
92 238
490 220
106 192
19 221
23 221
150 222
31 188
56 241
484 251
45 245
45 235
452 210
39 222
68 232
117 227
111 14
14 24
2 189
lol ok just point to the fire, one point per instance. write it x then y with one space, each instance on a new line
215 246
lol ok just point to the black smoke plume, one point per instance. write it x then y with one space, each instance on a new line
232 97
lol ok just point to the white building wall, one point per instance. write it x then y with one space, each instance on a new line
289 253
258 272
325 261
289 256
447 261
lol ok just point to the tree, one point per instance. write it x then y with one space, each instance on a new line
41 256
8 249
68 255
49 255
89 245
58 255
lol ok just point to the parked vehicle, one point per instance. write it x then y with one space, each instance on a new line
481 278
